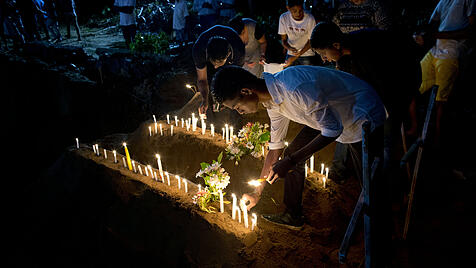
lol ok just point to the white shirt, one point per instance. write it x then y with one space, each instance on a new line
298 32
334 102
453 15
180 12
124 18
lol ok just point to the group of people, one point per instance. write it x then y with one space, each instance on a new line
24 20
377 76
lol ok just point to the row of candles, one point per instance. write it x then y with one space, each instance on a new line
311 170
190 124
148 171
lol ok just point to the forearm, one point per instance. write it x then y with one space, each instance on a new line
304 49
202 85
315 145
461 34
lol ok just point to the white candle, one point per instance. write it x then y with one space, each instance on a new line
105 154
223 130
140 170
305 170
155 176
185 183
155 127
162 176
115 156
168 119
254 221
326 177
212 129
231 134
204 127
176 121
159 162
245 212
150 169
134 166
161 132
94 148
199 187
97 149
188 124
168 178
322 168
262 150
77 143
150 131
311 164
178 180
182 122
146 172
171 130
124 162
222 209
227 133
155 120
233 211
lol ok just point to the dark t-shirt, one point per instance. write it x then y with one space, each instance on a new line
387 61
200 46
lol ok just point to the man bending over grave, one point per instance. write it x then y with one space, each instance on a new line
332 105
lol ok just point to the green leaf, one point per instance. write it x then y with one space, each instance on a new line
204 165
220 156
265 137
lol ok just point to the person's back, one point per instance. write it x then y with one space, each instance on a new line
354 15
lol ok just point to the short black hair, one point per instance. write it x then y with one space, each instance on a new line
236 23
292 3
325 34
217 48
228 82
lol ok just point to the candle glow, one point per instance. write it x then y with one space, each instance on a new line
254 221
222 209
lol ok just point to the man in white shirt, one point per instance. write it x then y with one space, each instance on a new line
295 28
332 105
127 19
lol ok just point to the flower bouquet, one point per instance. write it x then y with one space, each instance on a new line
215 178
252 139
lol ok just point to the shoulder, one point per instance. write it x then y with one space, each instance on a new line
285 16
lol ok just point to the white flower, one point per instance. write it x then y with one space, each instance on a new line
249 145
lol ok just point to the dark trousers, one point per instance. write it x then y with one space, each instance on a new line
129 33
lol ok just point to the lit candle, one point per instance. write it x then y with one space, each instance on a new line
128 157
155 120
155 176
159 162
105 154
322 168
231 134
94 148
150 169
178 180
162 176
168 178
77 143
171 130
254 221
262 150
124 162
185 183
212 129
150 131
311 164
176 121
161 132
233 211
97 150
223 130
140 170
168 119
326 177
182 122
199 187
227 133
155 127
222 208
134 166
305 170
115 156
204 127
187 123
245 212
146 171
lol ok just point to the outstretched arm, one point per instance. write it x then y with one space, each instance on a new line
202 83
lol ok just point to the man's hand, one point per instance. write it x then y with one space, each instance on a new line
280 169
419 39
292 49
253 199
262 59
203 106
290 61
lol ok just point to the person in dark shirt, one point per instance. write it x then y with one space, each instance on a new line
362 53
67 10
218 45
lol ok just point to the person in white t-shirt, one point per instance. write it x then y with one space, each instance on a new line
295 28
453 23
127 19
178 24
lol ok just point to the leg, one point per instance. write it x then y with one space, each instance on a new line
339 169
294 181
76 26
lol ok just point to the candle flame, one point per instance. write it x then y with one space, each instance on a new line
256 183
188 86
